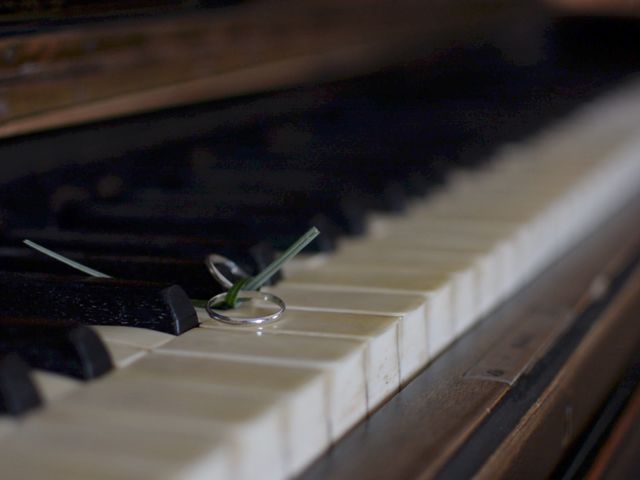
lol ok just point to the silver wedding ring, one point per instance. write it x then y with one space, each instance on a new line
252 320
233 267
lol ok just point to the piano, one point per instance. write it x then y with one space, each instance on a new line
470 307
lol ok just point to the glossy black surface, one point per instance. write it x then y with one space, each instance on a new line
63 347
250 255
18 393
96 301
168 217
192 275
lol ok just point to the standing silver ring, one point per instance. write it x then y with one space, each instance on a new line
248 295
233 267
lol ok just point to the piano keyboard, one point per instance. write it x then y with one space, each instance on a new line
216 401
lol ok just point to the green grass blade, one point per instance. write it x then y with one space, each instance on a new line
65 260
259 280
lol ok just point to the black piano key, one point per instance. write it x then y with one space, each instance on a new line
371 192
63 347
95 301
18 394
251 255
348 215
193 276
376 183
277 229
376 165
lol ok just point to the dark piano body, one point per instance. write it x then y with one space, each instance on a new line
141 136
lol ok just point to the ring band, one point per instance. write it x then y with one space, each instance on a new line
247 294
233 267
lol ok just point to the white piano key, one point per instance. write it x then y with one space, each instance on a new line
411 309
465 272
494 260
436 290
249 423
7 425
511 235
298 391
377 334
303 261
95 446
420 223
341 361
485 268
20 462
52 386
124 355
132 336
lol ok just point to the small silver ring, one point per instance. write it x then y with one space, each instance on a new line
233 267
247 294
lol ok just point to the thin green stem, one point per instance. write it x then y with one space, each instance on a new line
65 260
259 280
231 298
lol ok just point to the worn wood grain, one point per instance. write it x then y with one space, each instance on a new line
618 458
565 408
20 12
78 74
